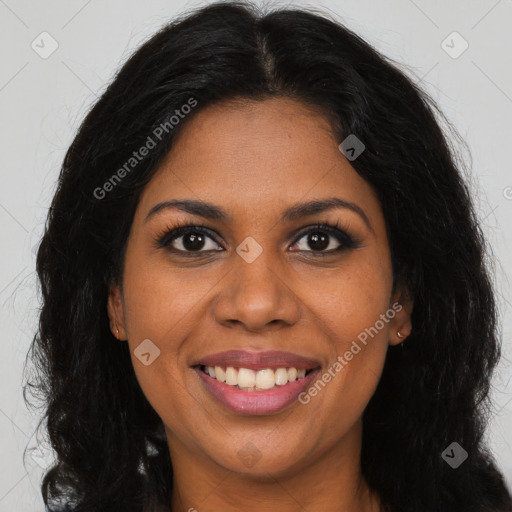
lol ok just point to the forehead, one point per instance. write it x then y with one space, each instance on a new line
257 156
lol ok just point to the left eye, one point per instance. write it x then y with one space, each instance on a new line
318 241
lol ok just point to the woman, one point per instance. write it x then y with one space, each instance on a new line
264 284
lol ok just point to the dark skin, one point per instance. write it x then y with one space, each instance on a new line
255 159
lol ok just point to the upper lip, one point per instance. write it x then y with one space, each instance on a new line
257 360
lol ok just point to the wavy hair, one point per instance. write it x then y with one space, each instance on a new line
110 446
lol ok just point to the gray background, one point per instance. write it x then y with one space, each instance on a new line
42 101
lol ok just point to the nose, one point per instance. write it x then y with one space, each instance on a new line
256 297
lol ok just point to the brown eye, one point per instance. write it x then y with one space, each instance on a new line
325 239
318 241
188 239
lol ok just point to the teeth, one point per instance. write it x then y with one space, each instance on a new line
246 378
281 376
250 380
220 374
231 376
265 379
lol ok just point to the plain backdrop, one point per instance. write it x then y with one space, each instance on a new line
43 98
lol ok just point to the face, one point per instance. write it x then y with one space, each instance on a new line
259 278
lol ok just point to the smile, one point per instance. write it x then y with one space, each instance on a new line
247 379
248 382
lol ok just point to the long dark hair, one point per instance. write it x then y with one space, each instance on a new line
109 442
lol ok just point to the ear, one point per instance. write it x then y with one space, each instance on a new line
402 304
115 310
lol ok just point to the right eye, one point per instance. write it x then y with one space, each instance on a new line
187 239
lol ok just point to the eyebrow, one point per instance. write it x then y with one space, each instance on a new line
294 212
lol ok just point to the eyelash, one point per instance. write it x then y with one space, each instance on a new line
164 238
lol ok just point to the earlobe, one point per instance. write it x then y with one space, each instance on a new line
401 325
116 313
401 334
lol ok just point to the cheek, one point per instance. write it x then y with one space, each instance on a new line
351 310
168 395
348 301
159 307
159 300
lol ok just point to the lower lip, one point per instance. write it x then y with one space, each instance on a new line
257 402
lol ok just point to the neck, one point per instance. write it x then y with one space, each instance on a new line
331 482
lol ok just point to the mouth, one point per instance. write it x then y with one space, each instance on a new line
256 382
247 379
